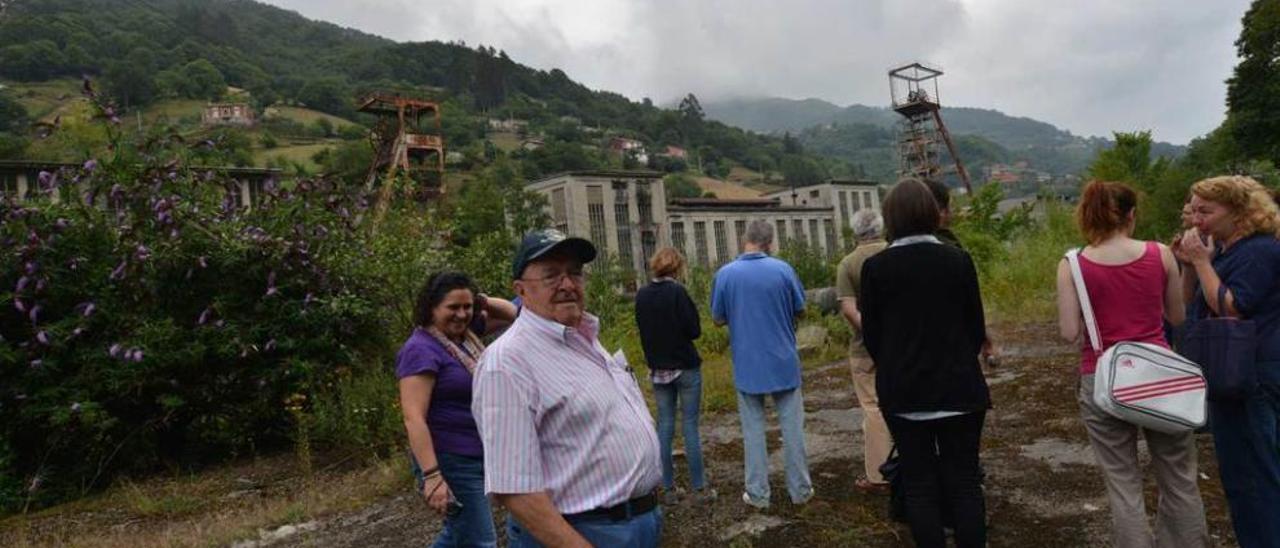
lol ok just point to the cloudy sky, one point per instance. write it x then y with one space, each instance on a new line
1090 66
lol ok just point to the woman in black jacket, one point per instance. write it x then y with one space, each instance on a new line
923 326
669 323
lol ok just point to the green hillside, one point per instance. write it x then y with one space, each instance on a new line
860 133
164 56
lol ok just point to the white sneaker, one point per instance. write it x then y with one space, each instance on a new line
747 499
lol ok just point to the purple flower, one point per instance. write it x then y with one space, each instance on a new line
201 261
141 253
40 285
204 316
135 355
18 304
90 165
308 299
43 337
118 272
35 364
219 323
114 351
22 284
75 407
32 267
44 178
61 224
34 314
76 333
271 345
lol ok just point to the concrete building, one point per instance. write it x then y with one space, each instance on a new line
843 197
627 214
709 231
20 179
621 212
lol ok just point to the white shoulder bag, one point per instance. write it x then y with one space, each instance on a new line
1142 383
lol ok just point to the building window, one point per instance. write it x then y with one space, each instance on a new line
740 230
700 242
722 243
845 220
9 185
644 202
558 210
857 201
813 235
622 216
829 229
595 211
869 200
677 238
648 246
781 236
813 193
797 230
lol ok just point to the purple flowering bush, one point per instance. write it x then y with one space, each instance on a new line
146 318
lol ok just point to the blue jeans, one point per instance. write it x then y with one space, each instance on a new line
790 406
469 521
642 531
1246 437
687 388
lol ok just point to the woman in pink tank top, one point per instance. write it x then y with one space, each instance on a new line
1133 287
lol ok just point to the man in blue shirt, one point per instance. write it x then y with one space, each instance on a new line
759 298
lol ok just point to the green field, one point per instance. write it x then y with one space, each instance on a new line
174 110
42 99
305 116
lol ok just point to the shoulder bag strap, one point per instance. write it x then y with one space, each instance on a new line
1090 323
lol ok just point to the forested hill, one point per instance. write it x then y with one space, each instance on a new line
1016 138
146 51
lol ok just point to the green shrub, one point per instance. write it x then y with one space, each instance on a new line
149 320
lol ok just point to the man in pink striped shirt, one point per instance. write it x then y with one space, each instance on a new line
569 445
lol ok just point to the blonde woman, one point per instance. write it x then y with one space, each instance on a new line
1233 245
668 322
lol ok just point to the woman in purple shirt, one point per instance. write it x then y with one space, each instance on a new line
435 368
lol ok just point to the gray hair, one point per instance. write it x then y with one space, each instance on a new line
867 223
760 233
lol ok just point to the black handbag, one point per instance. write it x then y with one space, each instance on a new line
1226 348
891 470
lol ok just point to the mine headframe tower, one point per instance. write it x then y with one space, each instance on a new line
914 91
407 141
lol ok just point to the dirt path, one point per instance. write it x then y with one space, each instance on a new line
1042 487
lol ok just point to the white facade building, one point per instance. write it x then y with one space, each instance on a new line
627 214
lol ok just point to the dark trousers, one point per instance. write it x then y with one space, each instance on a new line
1246 437
940 473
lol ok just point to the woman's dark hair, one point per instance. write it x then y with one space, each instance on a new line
941 193
434 291
1104 208
909 209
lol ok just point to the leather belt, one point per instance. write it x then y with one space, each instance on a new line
635 507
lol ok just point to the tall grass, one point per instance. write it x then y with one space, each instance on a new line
1018 277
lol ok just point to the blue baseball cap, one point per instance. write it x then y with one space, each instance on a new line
540 242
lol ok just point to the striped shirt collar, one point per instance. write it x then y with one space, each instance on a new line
588 328
916 239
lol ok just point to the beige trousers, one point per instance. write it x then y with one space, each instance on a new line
1180 518
875 435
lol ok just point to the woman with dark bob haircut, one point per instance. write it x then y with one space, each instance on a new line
435 367
923 326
